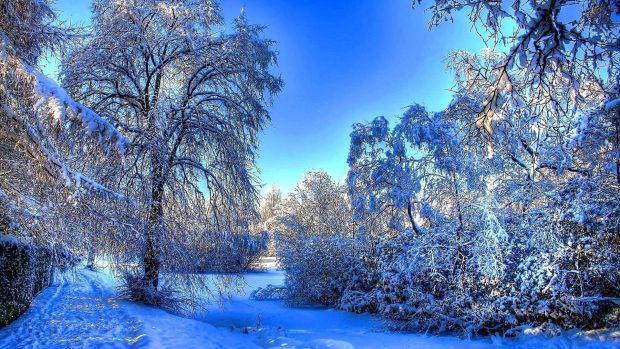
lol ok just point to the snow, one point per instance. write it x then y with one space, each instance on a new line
274 325
48 90
163 330
81 310
77 309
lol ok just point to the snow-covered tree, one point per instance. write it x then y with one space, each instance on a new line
43 132
190 99
467 211
547 41
270 203
269 206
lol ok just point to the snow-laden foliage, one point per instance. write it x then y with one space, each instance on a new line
270 202
226 252
45 136
158 116
457 232
501 211
487 234
547 40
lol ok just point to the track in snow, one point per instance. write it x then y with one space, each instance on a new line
78 311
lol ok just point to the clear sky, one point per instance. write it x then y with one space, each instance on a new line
342 61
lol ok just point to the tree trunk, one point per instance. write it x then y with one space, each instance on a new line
459 257
617 124
414 226
155 226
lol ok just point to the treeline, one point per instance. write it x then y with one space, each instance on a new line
497 214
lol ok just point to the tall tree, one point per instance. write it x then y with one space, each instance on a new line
189 98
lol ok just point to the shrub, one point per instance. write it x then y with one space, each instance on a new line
232 252
316 268
137 288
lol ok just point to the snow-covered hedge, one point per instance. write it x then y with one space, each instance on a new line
25 270
471 240
451 236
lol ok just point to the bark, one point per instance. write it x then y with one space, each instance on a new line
154 228
459 258
414 226
617 124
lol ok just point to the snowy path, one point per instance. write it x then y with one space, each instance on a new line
78 311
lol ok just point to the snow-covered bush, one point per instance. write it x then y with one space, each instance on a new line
314 241
316 268
487 235
564 280
136 288
269 293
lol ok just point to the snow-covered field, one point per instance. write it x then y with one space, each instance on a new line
80 311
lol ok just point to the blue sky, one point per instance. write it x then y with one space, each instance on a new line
342 62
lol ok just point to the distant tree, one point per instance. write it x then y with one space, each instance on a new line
269 206
314 233
318 205
190 100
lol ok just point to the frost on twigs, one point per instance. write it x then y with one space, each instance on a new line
48 160
191 99
549 44
459 241
54 100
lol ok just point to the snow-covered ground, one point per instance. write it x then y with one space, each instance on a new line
80 311
272 324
